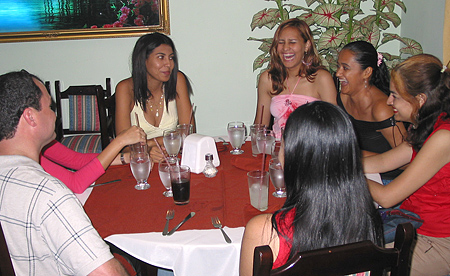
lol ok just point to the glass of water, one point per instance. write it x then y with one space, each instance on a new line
277 177
236 132
172 142
140 165
164 175
264 140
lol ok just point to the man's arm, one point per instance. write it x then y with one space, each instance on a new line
110 268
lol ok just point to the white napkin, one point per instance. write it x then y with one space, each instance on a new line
190 252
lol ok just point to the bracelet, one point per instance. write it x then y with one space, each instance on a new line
122 159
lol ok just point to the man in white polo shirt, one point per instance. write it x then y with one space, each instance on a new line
46 229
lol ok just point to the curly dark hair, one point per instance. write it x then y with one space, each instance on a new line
423 74
277 71
18 91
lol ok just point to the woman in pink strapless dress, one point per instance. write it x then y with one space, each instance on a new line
295 76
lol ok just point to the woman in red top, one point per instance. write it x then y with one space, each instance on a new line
420 94
328 202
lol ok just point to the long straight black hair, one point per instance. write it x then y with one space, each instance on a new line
325 183
143 48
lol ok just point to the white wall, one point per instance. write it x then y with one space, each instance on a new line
211 39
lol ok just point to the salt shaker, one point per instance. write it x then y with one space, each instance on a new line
210 170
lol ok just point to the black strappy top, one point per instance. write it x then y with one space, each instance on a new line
369 137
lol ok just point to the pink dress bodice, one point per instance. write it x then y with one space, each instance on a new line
282 106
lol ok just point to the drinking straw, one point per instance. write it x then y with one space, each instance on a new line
162 152
262 173
262 113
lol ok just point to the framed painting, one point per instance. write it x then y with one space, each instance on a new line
37 20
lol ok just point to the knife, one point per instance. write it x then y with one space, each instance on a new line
181 223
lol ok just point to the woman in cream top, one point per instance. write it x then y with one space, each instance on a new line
157 92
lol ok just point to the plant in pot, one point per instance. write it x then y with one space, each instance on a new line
335 23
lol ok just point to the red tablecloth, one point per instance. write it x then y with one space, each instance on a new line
118 208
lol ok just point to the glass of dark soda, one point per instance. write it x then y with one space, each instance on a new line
180 179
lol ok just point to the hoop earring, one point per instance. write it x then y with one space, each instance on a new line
307 64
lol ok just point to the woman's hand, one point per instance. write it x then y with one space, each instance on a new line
155 153
131 136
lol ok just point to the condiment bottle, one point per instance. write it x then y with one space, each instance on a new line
210 170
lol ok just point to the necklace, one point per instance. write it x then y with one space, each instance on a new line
288 102
157 107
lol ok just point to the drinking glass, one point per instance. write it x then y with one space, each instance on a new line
277 177
164 175
185 130
140 165
253 131
276 145
258 188
180 179
172 142
236 133
264 140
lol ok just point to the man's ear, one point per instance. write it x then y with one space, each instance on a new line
28 116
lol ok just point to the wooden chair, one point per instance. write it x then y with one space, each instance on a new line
343 260
6 267
91 113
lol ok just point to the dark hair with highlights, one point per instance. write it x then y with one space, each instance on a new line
423 74
277 71
325 182
366 55
18 92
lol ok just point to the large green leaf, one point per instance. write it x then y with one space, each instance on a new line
265 18
307 17
331 39
260 61
265 46
389 37
400 4
412 47
390 5
310 2
388 56
327 15
374 35
390 16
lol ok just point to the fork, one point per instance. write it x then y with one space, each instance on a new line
169 216
217 224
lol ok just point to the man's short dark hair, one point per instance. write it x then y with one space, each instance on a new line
18 91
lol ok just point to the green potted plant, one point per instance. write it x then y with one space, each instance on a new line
335 23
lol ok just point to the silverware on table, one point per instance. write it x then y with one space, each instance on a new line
217 224
181 223
101 184
169 216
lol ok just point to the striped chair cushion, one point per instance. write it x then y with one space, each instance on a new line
83 113
83 143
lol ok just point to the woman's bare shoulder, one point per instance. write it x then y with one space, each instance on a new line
125 86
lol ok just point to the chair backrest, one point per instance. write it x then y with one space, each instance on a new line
6 267
89 111
343 260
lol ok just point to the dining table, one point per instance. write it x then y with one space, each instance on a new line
133 220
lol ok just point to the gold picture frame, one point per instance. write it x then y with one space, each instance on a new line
89 33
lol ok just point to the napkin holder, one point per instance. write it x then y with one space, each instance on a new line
195 147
